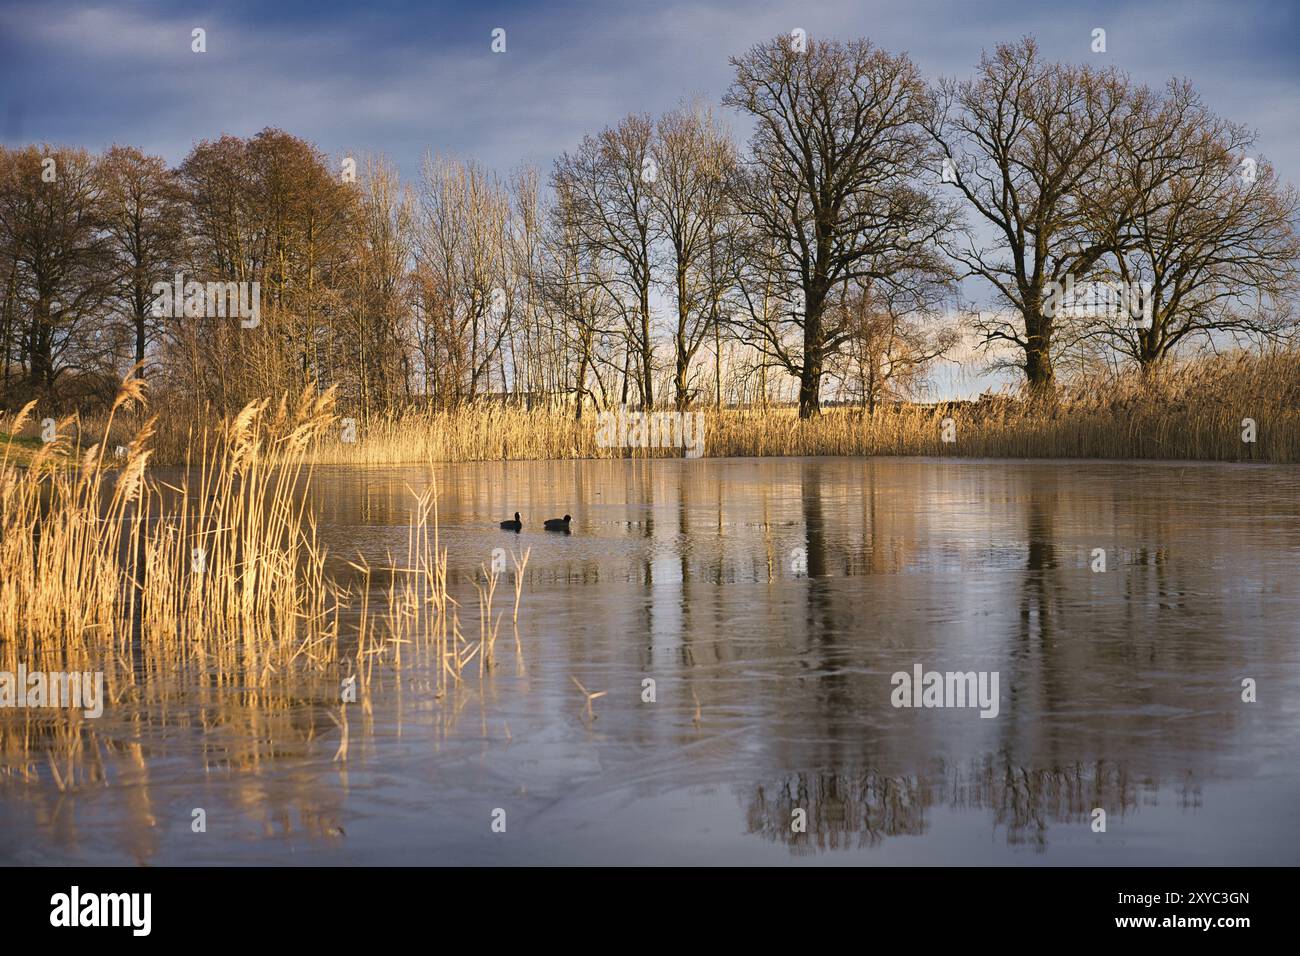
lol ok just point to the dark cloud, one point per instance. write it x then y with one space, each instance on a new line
413 76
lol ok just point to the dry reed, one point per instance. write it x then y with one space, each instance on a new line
216 581
1193 410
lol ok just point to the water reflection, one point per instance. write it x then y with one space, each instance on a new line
769 601
859 811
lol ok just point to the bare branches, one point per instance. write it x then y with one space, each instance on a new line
833 186
658 261
1027 144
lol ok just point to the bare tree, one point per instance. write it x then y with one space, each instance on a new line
535 351
373 344
1209 245
696 165
461 276
609 180
1027 144
834 183
143 216
61 273
575 289
893 344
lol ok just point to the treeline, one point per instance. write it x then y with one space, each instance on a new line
657 263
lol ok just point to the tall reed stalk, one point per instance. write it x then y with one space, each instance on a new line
216 581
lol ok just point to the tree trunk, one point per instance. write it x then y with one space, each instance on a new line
139 342
1039 373
717 365
810 376
810 380
647 364
679 381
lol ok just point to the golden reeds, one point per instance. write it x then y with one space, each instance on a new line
215 581
1189 410
1192 410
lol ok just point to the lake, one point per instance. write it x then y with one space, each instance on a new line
744 620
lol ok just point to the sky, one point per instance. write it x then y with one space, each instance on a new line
404 78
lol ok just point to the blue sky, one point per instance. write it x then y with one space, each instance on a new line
403 78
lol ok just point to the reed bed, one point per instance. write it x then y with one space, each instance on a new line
1194 411
213 584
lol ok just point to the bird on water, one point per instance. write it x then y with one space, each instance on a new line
515 525
558 524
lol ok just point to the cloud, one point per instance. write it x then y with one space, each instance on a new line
415 76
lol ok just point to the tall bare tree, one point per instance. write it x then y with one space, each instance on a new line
373 344
609 179
691 197
1209 242
461 274
835 183
582 313
1028 144
143 216
50 216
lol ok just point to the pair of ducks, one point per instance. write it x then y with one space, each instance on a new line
550 524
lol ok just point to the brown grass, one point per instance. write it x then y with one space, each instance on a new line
1192 411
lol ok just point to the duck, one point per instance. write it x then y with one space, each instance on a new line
558 524
515 525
